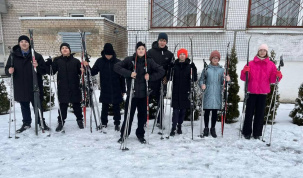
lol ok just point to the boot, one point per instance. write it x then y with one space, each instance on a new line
59 127
142 140
179 130
173 132
120 140
205 132
45 126
213 132
23 127
257 137
117 128
104 128
247 137
80 124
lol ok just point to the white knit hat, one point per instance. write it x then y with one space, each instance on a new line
263 46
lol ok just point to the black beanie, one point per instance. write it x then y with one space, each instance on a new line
139 44
65 44
163 36
108 49
23 37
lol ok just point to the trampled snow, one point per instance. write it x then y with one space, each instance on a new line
79 153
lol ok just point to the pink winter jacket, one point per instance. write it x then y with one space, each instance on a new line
262 73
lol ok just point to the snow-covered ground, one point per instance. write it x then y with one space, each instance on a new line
79 153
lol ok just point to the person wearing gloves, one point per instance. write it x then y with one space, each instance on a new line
261 73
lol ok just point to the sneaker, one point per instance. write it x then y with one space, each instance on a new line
179 130
59 127
45 126
104 128
247 137
205 132
23 127
213 132
173 132
117 128
142 140
80 124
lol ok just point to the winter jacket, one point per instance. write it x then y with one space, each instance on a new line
68 78
262 73
23 74
163 57
182 84
214 81
125 68
112 84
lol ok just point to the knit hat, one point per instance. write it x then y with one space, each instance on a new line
263 46
108 49
139 44
65 44
214 54
163 36
23 37
182 50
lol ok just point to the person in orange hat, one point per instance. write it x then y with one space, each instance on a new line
181 89
211 81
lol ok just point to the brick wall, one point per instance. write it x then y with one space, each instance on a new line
47 38
90 8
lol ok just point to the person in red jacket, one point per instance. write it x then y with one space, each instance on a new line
261 73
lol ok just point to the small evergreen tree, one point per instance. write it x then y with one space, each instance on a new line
46 104
4 100
297 113
269 96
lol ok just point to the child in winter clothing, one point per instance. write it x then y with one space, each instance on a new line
139 100
68 77
261 73
181 88
211 81
112 85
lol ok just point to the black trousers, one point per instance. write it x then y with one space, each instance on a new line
140 104
77 111
178 117
26 112
255 106
213 117
104 113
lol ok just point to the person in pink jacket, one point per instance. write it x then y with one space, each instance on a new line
261 73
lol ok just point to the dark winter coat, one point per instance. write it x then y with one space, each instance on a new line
214 81
126 67
163 57
23 74
68 78
182 83
112 84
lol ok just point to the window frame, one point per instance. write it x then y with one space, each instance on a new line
192 27
108 18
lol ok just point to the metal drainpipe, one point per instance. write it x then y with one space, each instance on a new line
2 36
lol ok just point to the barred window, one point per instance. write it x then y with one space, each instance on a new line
275 13
188 13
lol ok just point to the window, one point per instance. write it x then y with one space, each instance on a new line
76 15
108 16
275 13
188 13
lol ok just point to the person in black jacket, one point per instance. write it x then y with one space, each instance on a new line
126 68
112 85
162 56
22 70
68 81
181 88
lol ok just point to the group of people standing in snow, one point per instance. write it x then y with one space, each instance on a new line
151 69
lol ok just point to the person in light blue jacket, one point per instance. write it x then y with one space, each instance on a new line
211 81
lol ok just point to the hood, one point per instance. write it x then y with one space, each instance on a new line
156 47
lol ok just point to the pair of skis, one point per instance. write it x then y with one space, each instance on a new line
88 88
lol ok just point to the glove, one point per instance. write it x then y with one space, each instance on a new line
49 62
192 65
246 69
279 74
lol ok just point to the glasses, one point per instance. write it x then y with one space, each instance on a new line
215 58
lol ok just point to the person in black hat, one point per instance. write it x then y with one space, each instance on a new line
162 56
126 69
23 79
69 72
112 85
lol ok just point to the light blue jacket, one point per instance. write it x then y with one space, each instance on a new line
214 81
